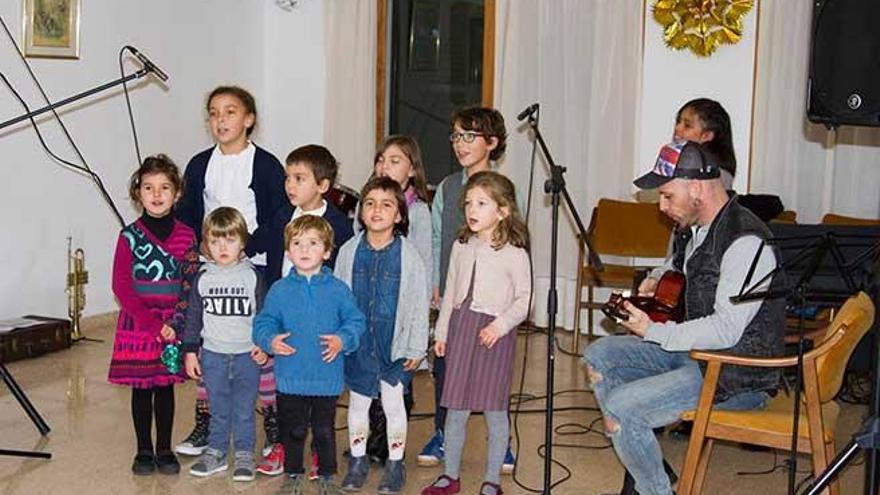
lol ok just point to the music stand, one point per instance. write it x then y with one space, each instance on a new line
805 252
31 411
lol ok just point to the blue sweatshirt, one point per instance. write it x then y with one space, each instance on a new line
308 308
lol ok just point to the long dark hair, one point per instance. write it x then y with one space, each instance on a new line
387 184
714 118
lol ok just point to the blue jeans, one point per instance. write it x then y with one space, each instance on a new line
639 387
232 381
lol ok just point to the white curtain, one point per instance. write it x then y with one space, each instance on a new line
350 104
813 170
581 60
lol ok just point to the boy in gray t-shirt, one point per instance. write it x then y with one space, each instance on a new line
226 294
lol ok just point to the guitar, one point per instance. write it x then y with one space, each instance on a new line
666 304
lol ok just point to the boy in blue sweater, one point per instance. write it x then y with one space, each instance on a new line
306 337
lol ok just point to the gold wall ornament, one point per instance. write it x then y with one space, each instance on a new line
701 25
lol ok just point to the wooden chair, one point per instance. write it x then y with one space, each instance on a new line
835 219
787 216
823 373
618 228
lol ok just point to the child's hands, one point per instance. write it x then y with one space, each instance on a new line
279 348
332 346
259 356
439 348
435 298
488 336
192 366
411 364
167 334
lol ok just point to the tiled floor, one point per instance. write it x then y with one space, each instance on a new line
92 442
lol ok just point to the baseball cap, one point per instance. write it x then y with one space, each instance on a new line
681 159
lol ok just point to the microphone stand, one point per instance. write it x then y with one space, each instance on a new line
555 186
32 413
135 75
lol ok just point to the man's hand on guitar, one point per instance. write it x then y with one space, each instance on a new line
648 286
638 320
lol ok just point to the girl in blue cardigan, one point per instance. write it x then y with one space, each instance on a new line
390 283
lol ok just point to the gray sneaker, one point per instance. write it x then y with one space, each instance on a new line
245 467
293 485
211 462
327 487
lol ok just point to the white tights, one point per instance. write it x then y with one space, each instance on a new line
395 417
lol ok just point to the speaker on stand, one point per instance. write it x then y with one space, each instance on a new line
844 82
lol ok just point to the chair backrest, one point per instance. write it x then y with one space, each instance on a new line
625 228
787 216
835 219
854 319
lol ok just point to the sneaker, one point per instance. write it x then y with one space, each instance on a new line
358 470
244 467
509 462
166 462
327 487
211 462
293 485
433 453
313 469
144 463
273 462
197 441
444 485
393 479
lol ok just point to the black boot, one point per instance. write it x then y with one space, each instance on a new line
629 484
270 425
197 441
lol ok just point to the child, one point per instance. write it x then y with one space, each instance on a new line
387 275
306 336
400 158
310 172
478 138
237 173
705 121
487 296
146 282
226 294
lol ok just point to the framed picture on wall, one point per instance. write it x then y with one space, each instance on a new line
51 28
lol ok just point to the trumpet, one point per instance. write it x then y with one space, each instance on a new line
77 278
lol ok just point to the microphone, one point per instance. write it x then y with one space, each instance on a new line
150 66
528 111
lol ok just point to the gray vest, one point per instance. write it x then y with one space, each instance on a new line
451 219
763 336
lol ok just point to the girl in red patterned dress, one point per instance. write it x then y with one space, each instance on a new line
147 282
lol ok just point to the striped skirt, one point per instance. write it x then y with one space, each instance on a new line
477 378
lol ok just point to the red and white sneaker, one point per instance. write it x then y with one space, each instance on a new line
273 463
313 469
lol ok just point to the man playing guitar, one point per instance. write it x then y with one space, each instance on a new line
647 380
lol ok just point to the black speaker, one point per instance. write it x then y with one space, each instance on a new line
844 84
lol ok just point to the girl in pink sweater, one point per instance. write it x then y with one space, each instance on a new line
147 282
488 290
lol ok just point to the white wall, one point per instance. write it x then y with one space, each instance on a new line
200 44
671 78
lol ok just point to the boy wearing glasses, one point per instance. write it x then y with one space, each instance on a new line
478 138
